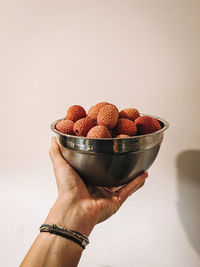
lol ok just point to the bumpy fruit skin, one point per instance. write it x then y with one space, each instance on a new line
108 116
147 125
157 124
94 110
75 113
82 126
125 126
129 113
122 136
65 126
99 131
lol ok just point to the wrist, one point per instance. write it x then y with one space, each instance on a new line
67 214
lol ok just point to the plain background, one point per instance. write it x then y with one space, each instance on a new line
142 54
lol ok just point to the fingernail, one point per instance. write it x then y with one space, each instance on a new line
141 178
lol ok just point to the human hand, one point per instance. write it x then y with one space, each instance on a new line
80 206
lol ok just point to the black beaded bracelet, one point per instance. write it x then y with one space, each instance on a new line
72 235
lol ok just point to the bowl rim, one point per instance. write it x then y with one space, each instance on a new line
165 127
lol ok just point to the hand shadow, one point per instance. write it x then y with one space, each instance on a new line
188 175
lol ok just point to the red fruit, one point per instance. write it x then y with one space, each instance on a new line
94 110
108 116
122 136
125 126
99 131
129 113
147 125
157 124
65 126
75 113
82 126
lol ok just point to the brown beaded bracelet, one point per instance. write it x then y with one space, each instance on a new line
75 236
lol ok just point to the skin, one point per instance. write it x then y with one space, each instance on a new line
77 207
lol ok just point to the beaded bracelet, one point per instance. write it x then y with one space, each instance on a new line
75 236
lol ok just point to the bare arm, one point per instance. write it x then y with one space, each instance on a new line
78 207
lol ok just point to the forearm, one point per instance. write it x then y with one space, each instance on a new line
52 250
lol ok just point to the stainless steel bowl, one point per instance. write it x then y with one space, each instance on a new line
110 161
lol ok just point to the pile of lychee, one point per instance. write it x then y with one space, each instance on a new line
105 121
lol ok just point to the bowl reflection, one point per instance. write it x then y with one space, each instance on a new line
110 161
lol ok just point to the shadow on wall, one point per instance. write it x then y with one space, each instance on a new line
188 174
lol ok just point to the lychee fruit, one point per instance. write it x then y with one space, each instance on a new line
125 126
94 110
108 116
147 125
75 113
122 136
129 113
157 124
99 131
82 126
65 126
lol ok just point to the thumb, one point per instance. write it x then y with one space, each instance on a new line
131 187
63 171
67 178
55 155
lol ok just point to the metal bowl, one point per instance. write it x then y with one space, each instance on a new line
110 161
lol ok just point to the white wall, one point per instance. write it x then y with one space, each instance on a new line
144 54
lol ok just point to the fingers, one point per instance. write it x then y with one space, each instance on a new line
131 187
